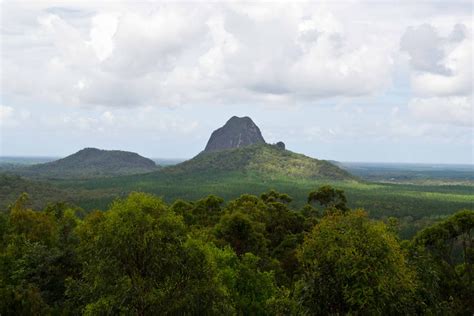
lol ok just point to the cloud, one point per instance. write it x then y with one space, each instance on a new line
425 47
326 72
113 121
175 54
441 74
459 82
102 32
441 65
10 117
6 113
447 110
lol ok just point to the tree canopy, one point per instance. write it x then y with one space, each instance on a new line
254 255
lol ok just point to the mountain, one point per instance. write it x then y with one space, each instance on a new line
264 160
239 147
237 132
92 163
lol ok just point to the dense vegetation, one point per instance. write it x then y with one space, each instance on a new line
43 192
252 255
255 170
269 161
416 206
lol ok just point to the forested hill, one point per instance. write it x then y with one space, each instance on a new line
92 163
269 161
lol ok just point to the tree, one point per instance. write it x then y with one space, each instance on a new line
269 219
329 198
242 233
138 259
37 258
443 255
352 264
205 212
274 196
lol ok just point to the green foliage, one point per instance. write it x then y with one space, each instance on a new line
444 256
203 213
354 265
419 205
267 160
329 198
254 287
137 259
36 259
254 255
242 234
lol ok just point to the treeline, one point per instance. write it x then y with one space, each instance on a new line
250 256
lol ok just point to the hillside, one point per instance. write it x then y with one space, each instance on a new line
237 132
41 193
268 161
92 163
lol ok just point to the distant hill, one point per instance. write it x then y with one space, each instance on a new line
237 132
268 161
92 163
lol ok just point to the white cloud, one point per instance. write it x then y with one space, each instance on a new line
458 82
174 54
10 117
142 119
108 117
102 31
109 68
425 47
6 113
441 74
447 110
441 65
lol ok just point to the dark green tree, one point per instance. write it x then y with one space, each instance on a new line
242 233
329 198
443 255
37 258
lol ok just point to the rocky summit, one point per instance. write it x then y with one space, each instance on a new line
237 132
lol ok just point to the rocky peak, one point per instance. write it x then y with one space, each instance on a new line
237 132
280 145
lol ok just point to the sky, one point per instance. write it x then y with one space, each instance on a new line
372 81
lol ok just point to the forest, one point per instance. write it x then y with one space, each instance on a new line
236 158
251 255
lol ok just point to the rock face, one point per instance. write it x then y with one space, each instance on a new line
237 132
280 145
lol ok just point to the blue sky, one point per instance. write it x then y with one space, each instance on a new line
352 81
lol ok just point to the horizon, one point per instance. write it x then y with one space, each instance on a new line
181 159
349 81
